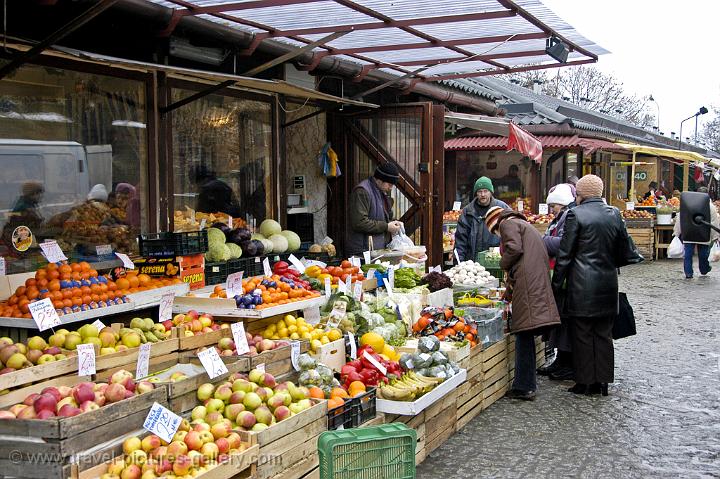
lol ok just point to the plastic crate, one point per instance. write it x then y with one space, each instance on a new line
364 407
173 244
235 265
340 417
191 242
385 451
215 273
489 321
488 262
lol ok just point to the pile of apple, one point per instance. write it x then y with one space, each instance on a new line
65 401
20 356
256 344
193 451
250 404
195 323
540 219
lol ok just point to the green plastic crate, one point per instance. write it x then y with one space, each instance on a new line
488 263
378 452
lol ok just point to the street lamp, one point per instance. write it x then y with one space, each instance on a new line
657 105
701 111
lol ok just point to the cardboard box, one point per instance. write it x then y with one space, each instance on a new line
192 270
157 267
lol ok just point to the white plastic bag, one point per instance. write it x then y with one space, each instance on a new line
676 250
715 252
400 241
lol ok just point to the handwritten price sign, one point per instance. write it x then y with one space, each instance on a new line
233 284
295 354
86 359
214 366
143 361
126 261
162 422
266 267
166 304
241 344
52 252
44 314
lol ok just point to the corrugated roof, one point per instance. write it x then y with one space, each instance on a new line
548 141
470 87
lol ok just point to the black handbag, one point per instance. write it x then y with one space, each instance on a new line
624 324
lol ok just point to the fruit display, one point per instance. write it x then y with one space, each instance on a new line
194 450
335 273
363 370
378 344
387 321
256 344
190 220
649 201
96 223
251 402
316 375
637 214
408 388
15 356
470 273
443 324
326 247
294 328
195 323
263 292
540 219
345 321
674 202
527 205
451 215
65 401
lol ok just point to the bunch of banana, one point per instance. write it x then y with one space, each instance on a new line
408 388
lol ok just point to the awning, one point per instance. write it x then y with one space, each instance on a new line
200 76
494 125
525 143
589 145
680 156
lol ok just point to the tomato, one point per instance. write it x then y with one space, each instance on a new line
346 264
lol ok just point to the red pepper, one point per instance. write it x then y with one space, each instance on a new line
280 268
347 369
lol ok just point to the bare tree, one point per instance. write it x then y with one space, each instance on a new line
711 131
592 89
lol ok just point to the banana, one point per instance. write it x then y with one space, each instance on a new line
394 394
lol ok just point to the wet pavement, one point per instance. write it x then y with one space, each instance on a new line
662 418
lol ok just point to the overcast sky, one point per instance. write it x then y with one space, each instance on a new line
665 48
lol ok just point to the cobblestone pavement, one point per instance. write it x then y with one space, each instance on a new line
662 418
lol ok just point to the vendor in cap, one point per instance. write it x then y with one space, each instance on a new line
371 212
472 234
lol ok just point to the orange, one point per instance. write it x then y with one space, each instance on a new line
95 297
87 299
84 266
355 387
335 402
65 269
338 393
95 288
75 267
134 281
122 283
54 285
317 393
20 291
144 279
53 274
30 282
67 303
77 301
57 295
32 293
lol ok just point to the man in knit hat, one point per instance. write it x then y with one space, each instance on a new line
371 213
472 234
585 281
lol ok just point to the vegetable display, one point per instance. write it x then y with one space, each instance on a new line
362 369
436 281
469 272
444 325
406 278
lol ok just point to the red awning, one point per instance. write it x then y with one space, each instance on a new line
525 143
588 145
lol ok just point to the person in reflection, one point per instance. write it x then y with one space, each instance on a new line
26 210
128 204
214 195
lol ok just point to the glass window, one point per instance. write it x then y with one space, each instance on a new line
222 148
73 152
509 172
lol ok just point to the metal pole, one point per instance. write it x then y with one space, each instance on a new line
632 179
696 118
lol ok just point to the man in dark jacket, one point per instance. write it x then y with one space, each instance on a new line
371 212
472 234
586 275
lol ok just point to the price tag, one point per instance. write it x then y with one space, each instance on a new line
543 208
126 261
348 284
52 252
230 223
456 206
370 273
366 257
355 261
214 366
233 284
166 305
630 205
353 345
241 344
295 354
339 311
143 361
44 314
388 286
297 263
103 249
202 223
436 269
98 324
312 315
2 266
391 277
86 359
266 267
520 205
604 200
162 422
342 287
260 367
357 291
328 288
375 363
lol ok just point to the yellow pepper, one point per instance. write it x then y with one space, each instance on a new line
321 277
313 271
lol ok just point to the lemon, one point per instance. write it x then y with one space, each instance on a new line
283 333
295 336
315 345
267 333
303 329
274 336
307 336
280 324
272 328
324 340
290 320
334 335
301 321
292 328
374 340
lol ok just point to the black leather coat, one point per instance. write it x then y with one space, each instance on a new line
586 264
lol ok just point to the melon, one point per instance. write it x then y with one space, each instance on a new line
293 240
269 228
280 243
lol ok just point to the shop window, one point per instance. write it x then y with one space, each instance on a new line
73 154
222 147
509 172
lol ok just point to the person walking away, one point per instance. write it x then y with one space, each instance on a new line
559 200
586 275
525 259
472 235
371 211
703 249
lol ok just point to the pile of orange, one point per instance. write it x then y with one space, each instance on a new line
337 398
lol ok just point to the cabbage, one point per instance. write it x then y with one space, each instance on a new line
429 344
216 252
257 236
268 245
305 361
269 228
293 240
259 247
215 236
235 250
439 358
227 254
280 243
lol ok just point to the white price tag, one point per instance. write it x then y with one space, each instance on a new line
391 277
202 223
630 205
328 288
166 305
98 324
388 286
295 354
52 252
86 359
370 273
604 200
44 314
348 284
297 263
355 261
312 262
126 261
357 291
338 312
103 249
230 223
312 315
266 267
543 208
241 344
2 266
342 287
353 346
520 205
436 269
260 367
143 361
233 284
162 422
456 206
375 363
366 257
214 366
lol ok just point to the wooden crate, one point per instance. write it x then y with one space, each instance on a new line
469 400
440 421
197 341
495 372
644 239
417 423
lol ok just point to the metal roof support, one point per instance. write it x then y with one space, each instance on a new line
56 36
316 59
511 70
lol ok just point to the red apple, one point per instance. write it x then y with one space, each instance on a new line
45 401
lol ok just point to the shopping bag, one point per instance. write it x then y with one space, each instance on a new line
715 252
676 250
624 324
